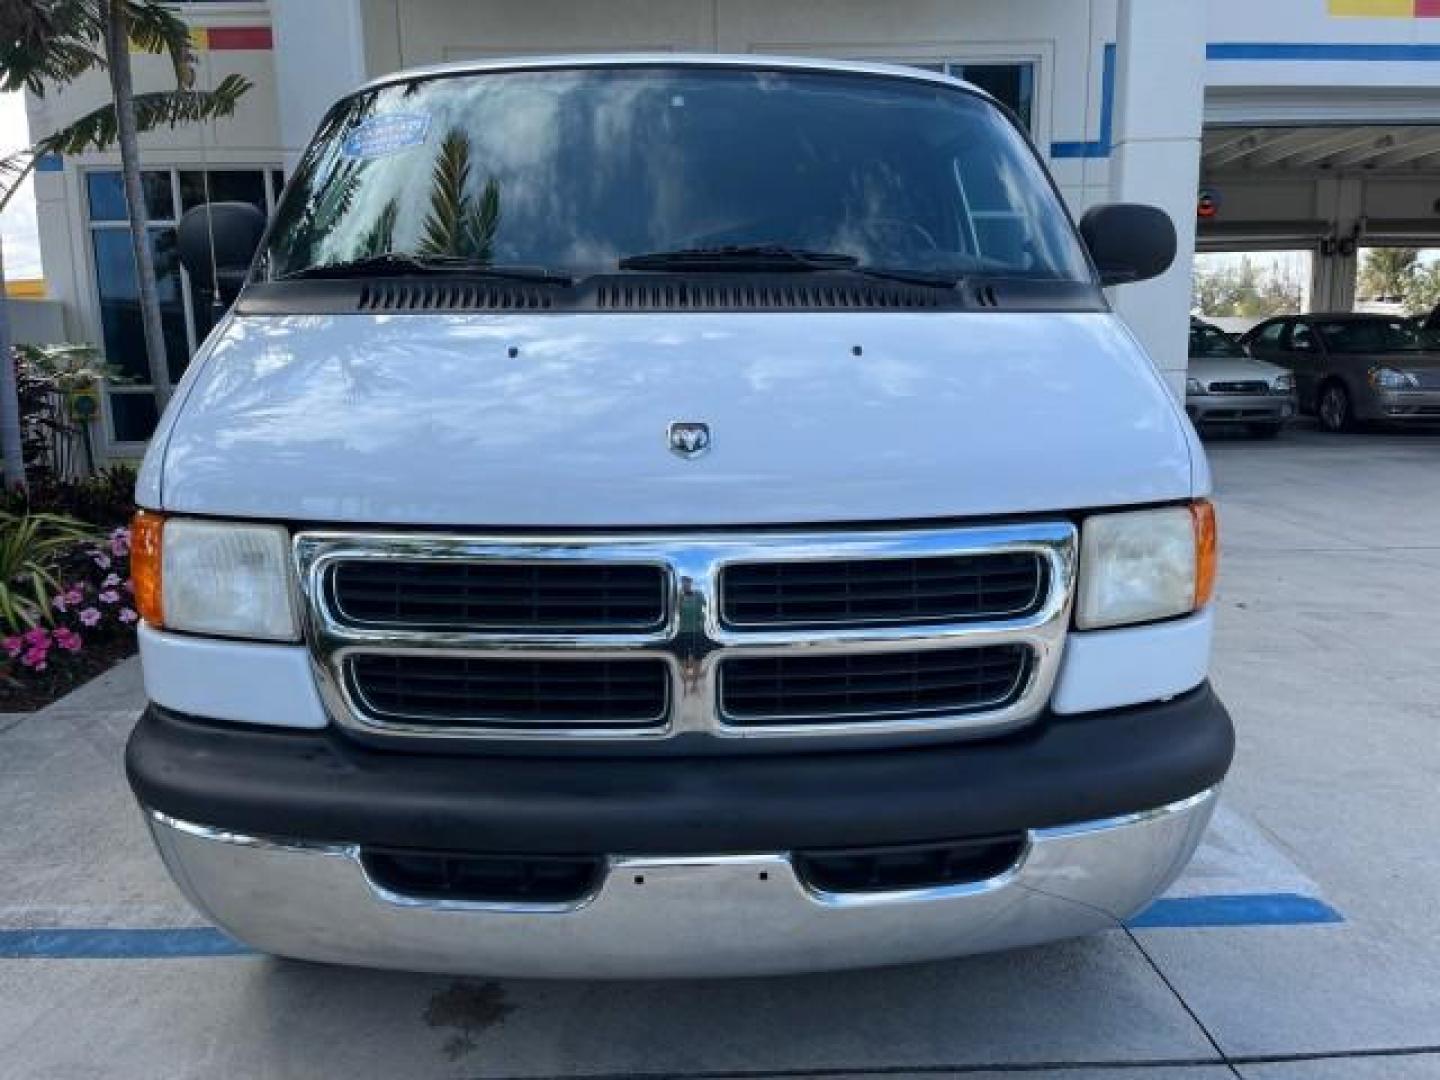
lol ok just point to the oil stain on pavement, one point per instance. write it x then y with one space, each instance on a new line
469 1008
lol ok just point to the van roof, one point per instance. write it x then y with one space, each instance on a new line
670 59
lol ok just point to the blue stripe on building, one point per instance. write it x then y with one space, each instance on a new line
1096 148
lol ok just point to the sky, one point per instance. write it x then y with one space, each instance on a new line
17 223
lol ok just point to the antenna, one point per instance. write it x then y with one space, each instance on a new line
217 309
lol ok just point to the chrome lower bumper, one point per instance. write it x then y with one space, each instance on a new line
691 916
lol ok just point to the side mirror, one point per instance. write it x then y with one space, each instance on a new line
217 242
1128 241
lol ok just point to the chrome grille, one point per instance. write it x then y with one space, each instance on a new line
910 633
871 686
518 596
1248 386
868 592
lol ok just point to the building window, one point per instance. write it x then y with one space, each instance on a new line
185 315
1012 83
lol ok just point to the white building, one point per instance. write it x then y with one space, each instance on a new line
1311 126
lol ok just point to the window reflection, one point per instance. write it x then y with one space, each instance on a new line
573 170
132 406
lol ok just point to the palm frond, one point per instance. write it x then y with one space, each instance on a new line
48 42
457 223
99 128
478 235
154 29
380 237
447 197
14 168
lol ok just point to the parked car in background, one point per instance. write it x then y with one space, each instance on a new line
1350 368
1227 386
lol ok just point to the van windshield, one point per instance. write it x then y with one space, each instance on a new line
573 171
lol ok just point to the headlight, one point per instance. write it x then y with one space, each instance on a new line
1194 386
1283 384
214 577
1387 378
1144 565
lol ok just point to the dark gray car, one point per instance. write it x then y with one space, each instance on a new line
1351 368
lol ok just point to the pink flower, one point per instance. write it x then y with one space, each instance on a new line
127 615
109 596
90 616
68 639
120 543
74 596
37 637
58 601
13 644
35 657
111 581
101 560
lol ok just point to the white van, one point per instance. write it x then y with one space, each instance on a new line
673 516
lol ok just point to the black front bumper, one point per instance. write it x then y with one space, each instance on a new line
319 786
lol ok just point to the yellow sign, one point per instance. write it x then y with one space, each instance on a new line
1386 9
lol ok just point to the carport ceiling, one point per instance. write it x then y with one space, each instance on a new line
1396 148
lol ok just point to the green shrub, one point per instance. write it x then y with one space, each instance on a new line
32 549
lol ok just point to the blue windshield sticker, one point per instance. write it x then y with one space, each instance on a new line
384 135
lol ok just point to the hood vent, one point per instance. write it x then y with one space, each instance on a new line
668 293
786 295
453 296
836 291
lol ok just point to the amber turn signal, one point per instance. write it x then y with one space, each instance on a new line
146 532
1207 550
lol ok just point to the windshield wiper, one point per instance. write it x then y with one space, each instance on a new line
739 257
777 257
395 262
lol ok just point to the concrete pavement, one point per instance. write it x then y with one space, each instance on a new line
1326 656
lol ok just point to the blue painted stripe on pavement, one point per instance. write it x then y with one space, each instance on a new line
95 943
1252 909
87 943
1321 50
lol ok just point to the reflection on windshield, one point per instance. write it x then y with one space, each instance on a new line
575 170
1208 341
1372 336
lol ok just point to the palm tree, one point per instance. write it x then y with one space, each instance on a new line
48 44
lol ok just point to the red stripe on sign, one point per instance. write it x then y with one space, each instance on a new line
1427 9
240 37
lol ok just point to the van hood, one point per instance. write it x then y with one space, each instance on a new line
427 419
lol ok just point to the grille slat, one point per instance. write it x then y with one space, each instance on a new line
1246 386
861 592
761 690
517 693
499 596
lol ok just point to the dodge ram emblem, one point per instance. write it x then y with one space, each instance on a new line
689 440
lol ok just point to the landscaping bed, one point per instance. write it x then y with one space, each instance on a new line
67 609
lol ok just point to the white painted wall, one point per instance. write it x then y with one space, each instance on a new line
1159 103
319 56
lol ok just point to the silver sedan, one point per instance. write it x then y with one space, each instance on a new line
1226 386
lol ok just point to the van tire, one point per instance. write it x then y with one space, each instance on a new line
1333 408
